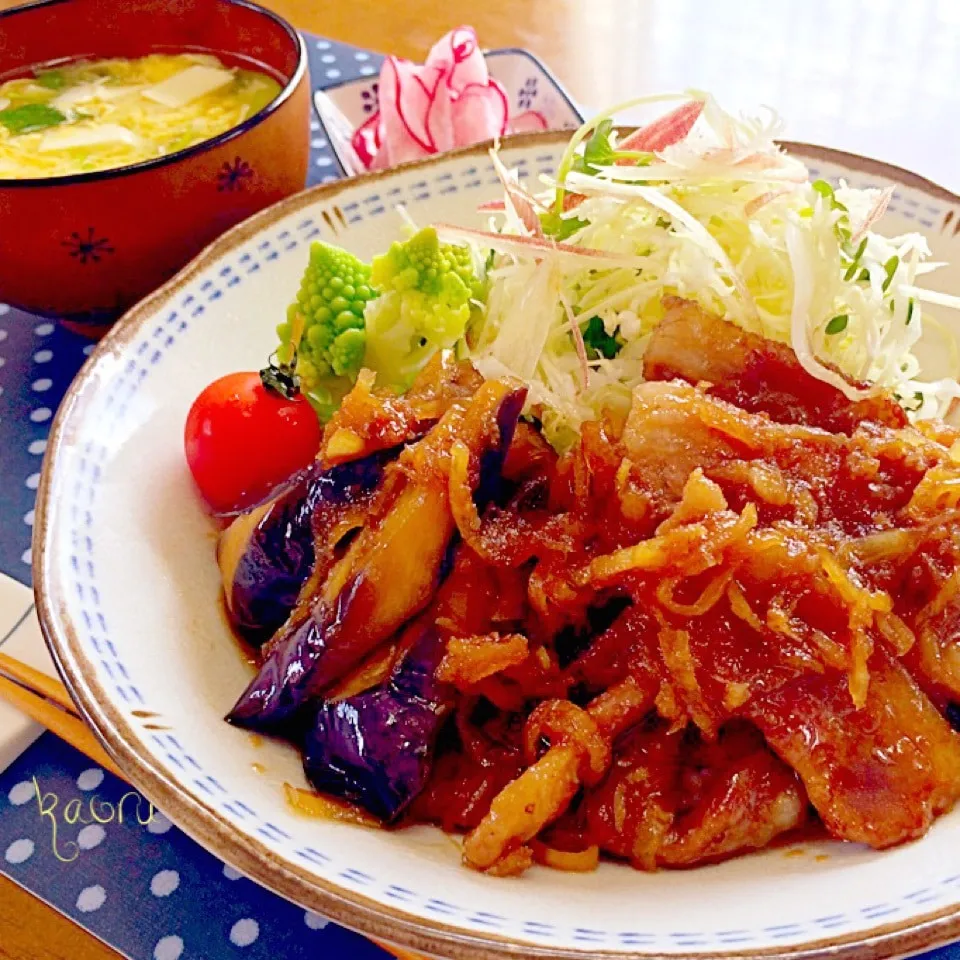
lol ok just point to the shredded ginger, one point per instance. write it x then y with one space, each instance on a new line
722 216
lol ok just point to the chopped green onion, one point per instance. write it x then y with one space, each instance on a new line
598 341
51 79
823 188
837 324
916 400
852 269
29 117
560 228
890 268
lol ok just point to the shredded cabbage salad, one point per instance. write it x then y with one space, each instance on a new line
703 205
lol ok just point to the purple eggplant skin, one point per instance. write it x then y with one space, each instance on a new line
398 571
392 584
376 748
267 554
490 484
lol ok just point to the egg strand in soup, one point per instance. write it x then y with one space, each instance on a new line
102 114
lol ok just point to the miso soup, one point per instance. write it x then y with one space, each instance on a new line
101 114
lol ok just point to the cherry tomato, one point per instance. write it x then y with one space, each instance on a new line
243 440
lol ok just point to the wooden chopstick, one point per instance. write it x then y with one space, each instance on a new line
47 702
26 676
398 953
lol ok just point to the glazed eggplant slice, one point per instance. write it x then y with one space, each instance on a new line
266 555
363 601
373 738
391 569
376 748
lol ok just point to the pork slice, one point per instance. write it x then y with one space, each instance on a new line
876 775
755 373
747 806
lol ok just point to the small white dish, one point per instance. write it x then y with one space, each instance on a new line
129 597
528 83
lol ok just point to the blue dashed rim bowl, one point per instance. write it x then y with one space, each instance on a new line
115 654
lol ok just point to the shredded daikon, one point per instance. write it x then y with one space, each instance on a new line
722 216
803 282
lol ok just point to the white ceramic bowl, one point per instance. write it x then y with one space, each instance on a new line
128 593
529 85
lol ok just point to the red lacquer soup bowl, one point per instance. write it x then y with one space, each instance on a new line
86 247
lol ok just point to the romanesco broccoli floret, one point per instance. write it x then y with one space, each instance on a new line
426 288
325 324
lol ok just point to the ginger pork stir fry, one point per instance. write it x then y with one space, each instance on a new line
725 616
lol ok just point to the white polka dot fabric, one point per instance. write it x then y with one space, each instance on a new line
142 887
19 851
90 779
91 836
91 898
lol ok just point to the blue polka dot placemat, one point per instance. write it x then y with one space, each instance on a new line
136 882
141 885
